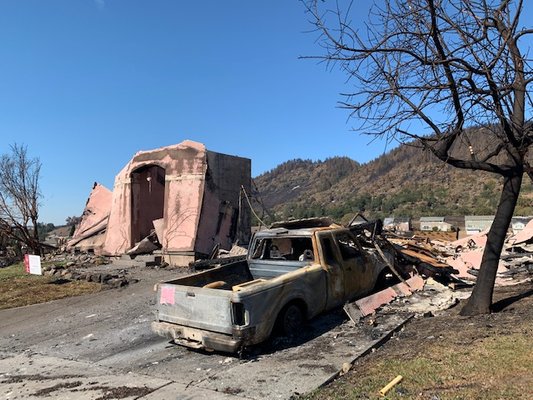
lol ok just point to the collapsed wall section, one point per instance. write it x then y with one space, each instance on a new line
90 232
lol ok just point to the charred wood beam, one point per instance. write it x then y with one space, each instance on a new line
201 265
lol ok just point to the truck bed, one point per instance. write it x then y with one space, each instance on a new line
204 300
232 274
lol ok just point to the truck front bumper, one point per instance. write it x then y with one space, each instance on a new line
201 339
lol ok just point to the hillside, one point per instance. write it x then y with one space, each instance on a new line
404 182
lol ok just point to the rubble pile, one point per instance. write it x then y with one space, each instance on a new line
72 267
219 257
461 259
431 299
80 259
114 280
431 271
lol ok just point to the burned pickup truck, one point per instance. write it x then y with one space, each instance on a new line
293 272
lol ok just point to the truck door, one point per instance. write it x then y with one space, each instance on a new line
330 260
356 271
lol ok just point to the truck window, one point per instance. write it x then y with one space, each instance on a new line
283 248
347 246
259 248
329 252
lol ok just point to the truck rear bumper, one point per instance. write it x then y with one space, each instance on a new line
197 338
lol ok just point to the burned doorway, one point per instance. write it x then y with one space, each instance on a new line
147 200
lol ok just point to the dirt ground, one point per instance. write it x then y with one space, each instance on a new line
106 336
451 357
92 345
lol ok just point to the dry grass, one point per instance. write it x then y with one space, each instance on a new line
449 357
17 288
498 368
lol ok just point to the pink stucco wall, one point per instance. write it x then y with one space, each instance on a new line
216 216
185 168
95 214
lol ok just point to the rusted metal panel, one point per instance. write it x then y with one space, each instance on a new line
370 304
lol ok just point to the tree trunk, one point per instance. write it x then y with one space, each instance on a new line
35 242
481 298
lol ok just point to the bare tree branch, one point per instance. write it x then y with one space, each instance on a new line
19 197
431 71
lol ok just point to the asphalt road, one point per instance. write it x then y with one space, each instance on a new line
100 346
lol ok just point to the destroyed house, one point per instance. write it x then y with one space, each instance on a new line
185 196
435 224
398 224
477 223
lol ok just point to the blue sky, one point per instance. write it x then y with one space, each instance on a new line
87 83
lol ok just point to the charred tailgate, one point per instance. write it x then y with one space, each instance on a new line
203 308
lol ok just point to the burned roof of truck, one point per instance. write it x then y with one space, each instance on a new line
305 223
299 227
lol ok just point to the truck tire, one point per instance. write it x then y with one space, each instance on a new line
385 279
290 319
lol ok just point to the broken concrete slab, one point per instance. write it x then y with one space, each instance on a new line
159 226
458 264
415 283
237 251
470 260
301 369
32 375
145 246
369 304
403 288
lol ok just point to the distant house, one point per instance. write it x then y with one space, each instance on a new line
477 223
519 223
435 224
397 224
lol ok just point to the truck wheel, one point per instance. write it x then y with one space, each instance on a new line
290 320
385 279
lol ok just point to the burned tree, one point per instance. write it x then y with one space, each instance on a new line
19 197
428 71
72 222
